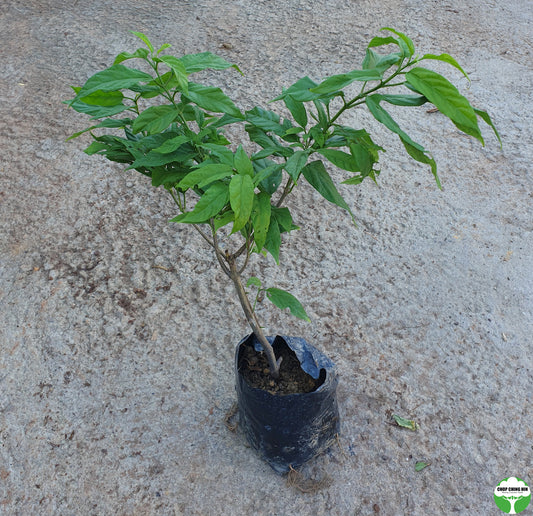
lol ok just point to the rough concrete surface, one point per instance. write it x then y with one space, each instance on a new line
117 329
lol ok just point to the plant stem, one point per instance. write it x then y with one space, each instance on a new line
218 251
383 84
228 263
251 317
188 131
286 191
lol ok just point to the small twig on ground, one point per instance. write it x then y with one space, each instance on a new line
228 418
340 446
371 234
161 267
307 485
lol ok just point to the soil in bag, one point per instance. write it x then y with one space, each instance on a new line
253 366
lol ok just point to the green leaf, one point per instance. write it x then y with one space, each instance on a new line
380 41
370 60
242 162
357 136
404 100
112 147
364 151
283 299
300 91
273 240
256 282
415 150
266 141
220 152
419 466
284 219
205 174
95 148
155 119
206 60
447 58
365 160
140 53
340 159
265 120
323 121
172 144
175 65
317 176
178 69
296 163
486 118
261 212
422 157
297 110
224 120
445 96
338 82
103 98
148 143
404 43
372 102
148 91
354 180
376 61
212 99
209 205
405 423
241 196
116 77
266 153
168 176
293 130
157 86
95 112
317 134
223 219
145 39
109 123
271 182
192 112
163 47
263 174
156 159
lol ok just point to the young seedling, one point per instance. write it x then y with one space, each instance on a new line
171 129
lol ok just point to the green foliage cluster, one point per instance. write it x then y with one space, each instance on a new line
171 129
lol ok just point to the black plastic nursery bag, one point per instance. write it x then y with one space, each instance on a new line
288 430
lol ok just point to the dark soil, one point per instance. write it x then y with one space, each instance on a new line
292 379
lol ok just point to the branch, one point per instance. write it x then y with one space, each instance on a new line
383 84
204 236
241 270
286 191
252 318
218 251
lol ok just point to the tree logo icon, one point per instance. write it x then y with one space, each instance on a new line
512 495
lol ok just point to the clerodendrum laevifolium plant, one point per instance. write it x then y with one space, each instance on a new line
171 130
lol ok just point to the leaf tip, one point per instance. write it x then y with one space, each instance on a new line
238 69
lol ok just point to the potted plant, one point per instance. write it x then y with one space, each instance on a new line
171 129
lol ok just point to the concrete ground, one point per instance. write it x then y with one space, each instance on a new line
117 330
